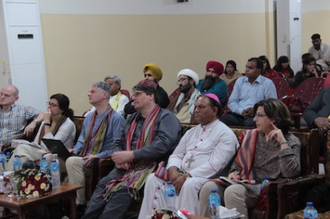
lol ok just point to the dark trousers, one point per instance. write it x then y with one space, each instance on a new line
117 205
234 119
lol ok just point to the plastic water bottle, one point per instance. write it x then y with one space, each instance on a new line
44 166
8 154
170 196
17 163
264 182
214 204
55 158
55 173
310 212
3 161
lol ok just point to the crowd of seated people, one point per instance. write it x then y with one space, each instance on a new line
137 144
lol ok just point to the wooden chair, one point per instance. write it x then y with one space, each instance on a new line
230 88
302 97
291 194
126 93
309 164
174 94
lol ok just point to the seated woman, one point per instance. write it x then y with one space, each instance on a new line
267 71
273 153
57 124
308 71
231 73
283 66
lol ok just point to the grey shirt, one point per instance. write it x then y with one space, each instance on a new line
272 162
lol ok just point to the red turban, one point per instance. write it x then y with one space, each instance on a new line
217 66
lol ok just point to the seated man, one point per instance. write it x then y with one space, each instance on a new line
100 130
212 83
117 99
267 151
320 51
183 105
248 90
152 72
149 136
205 151
317 115
14 117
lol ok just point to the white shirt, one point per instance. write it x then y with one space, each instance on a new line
322 56
211 148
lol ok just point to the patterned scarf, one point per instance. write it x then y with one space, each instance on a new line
93 142
245 154
58 124
136 176
115 103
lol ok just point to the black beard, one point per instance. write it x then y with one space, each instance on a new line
209 82
185 88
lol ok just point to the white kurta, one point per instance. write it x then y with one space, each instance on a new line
204 151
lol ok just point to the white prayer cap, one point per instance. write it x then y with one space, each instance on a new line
190 73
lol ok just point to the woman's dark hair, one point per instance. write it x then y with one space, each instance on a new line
277 110
278 67
231 62
63 103
306 61
264 58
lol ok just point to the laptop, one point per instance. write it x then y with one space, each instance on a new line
57 147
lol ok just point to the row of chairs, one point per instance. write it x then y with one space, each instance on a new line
297 102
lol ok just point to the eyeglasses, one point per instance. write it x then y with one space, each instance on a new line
51 104
148 75
259 115
181 80
136 94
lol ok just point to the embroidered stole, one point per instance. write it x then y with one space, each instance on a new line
93 143
115 103
245 154
136 176
58 124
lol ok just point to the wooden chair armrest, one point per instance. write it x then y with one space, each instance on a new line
271 194
288 192
105 166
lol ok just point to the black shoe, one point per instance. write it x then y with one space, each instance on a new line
80 209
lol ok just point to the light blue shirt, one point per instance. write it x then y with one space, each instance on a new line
245 94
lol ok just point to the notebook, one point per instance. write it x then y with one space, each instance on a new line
57 147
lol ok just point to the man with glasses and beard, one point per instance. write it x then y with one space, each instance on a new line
212 83
184 104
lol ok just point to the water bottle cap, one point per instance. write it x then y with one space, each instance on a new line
43 158
213 191
1 152
8 153
53 161
266 178
309 204
169 183
16 155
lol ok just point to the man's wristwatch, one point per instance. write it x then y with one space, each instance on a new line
36 121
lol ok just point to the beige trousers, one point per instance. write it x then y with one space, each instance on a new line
27 152
233 197
75 168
